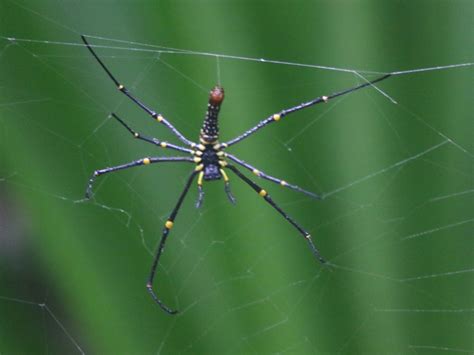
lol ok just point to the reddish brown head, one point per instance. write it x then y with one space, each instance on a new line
216 96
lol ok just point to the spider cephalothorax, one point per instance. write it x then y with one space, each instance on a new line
212 162
209 159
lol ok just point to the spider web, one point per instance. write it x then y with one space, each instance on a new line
394 163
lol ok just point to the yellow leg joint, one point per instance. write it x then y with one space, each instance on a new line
200 176
276 117
256 172
163 144
224 175
263 193
283 183
169 224
159 118
146 161
199 167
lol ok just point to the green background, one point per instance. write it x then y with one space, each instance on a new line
397 222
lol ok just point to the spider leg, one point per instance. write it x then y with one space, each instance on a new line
150 139
144 161
268 199
277 116
227 187
127 93
271 178
168 225
200 190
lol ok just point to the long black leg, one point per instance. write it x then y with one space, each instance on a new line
267 198
144 161
168 225
277 116
151 140
124 90
271 178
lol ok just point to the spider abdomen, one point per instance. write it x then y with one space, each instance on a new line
210 127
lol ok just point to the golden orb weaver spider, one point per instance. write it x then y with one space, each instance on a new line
210 159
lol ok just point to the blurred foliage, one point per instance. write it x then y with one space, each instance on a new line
399 234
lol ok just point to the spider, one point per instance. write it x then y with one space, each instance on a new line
210 159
